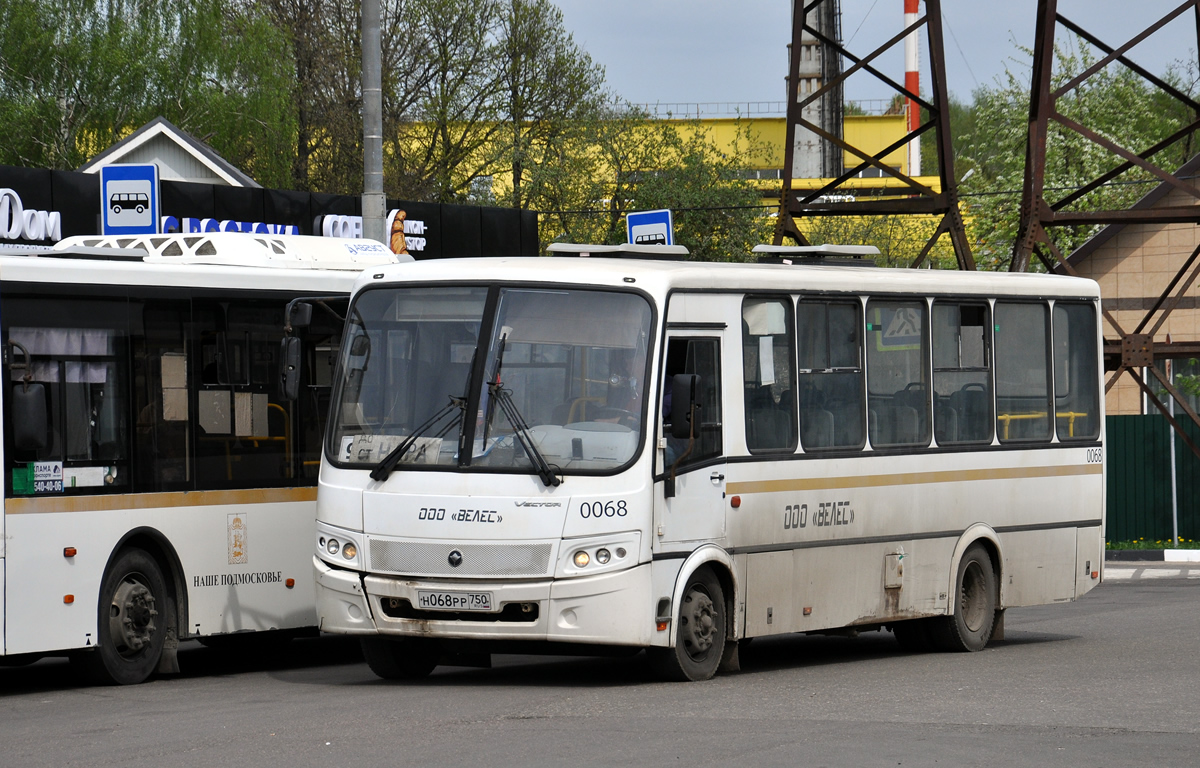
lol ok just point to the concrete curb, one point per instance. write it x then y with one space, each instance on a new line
1153 555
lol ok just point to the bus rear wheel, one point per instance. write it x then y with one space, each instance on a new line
399 659
130 627
699 633
969 627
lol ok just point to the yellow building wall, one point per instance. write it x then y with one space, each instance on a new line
870 133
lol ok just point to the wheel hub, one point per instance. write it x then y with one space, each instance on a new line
973 602
131 617
698 623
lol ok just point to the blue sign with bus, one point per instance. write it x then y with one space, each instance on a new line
129 199
649 228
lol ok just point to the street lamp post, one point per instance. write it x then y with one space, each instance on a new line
373 201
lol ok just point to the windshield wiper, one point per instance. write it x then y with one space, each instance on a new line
521 431
389 462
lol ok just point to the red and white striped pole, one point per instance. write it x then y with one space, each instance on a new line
912 81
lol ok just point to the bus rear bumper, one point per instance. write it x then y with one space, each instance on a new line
608 609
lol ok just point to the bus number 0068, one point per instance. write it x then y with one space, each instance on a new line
603 509
1095 455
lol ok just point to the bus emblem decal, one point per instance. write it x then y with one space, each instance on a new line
237 539
455 559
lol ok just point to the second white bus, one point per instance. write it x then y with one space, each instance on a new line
639 452
156 487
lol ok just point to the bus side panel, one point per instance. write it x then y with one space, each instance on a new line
223 596
1037 569
38 616
1089 559
843 586
240 584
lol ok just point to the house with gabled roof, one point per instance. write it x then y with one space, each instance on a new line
179 155
1134 265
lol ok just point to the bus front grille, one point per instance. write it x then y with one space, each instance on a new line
419 558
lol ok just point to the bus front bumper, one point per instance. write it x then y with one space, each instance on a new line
609 609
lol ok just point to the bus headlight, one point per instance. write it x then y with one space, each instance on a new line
338 546
595 555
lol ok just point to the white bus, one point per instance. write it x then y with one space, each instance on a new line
639 452
155 486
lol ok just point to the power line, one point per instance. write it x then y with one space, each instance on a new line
864 21
992 193
954 37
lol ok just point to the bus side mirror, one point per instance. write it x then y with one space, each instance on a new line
290 350
299 314
30 420
360 352
684 387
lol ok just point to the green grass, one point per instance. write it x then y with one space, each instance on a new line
1148 544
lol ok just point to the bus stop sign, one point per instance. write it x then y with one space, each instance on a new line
129 199
649 228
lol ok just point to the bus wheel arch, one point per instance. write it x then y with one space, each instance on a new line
984 536
974 607
149 553
702 624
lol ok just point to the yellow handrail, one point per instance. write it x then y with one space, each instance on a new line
1008 418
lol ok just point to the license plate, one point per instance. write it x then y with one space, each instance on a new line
454 601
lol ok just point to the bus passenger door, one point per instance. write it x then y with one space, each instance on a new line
696 510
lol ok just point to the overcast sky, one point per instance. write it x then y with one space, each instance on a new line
672 51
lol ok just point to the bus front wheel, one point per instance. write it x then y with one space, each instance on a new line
969 627
699 634
399 659
131 626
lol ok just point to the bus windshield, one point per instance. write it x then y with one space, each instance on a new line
561 381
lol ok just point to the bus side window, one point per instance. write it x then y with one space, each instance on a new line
244 438
962 380
701 357
160 398
321 344
78 354
1076 391
897 388
830 377
1022 371
767 375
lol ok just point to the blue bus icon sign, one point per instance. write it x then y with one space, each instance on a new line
129 199
649 228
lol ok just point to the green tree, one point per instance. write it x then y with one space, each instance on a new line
79 75
547 81
898 238
620 160
1115 102
448 140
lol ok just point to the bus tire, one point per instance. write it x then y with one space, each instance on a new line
131 621
969 627
399 659
701 626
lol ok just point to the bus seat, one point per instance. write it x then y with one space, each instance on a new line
907 421
817 428
972 402
874 424
945 420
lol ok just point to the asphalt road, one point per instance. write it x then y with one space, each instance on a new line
1111 680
